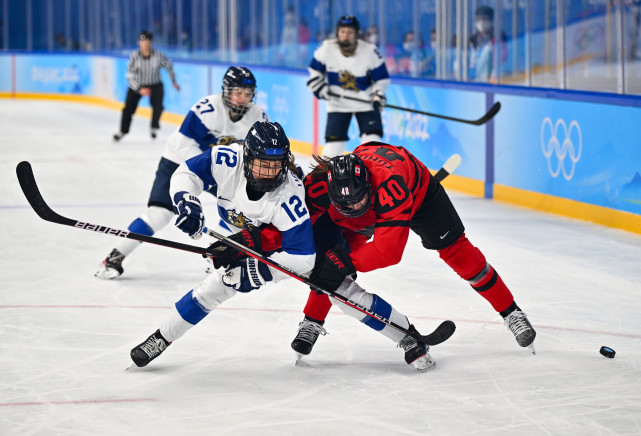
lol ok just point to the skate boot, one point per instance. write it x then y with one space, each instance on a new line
153 347
153 132
308 332
416 353
118 136
518 323
111 267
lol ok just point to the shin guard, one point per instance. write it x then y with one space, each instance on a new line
470 264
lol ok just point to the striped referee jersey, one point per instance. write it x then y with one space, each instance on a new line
145 71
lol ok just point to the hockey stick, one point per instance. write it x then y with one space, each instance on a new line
484 119
448 167
441 334
34 197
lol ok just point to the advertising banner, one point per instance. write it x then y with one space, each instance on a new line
575 150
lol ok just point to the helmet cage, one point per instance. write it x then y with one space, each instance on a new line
349 185
238 79
266 143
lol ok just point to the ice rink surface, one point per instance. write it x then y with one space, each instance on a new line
65 335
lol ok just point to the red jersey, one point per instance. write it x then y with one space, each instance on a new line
399 184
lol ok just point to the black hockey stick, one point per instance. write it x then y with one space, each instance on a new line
32 193
484 119
441 334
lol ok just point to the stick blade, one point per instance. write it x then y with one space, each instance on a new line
34 197
442 333
490 114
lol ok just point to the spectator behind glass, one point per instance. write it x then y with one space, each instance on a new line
482 46
293 50
411 59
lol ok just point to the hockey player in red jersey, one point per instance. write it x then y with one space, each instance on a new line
384 191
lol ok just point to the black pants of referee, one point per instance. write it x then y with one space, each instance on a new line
131 104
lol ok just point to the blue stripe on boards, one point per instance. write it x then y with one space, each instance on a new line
379 307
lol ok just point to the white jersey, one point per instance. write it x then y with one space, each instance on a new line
208 124
359 75
284 207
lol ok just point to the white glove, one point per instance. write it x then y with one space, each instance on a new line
323 92
378 100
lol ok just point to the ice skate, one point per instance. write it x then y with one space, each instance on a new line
518 323
153 133
118 136
111 267
308 332
153 347
416 353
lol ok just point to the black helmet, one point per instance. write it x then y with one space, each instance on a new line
348 21
145 34
348 184
266 141
484 11
238 77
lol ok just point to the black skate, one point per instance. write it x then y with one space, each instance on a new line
153 132
118 136
416 353
308 332
523 331
153 347
111 267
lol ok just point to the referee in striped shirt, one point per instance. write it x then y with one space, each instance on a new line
143 75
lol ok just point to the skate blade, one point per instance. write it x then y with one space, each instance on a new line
131 368
531 348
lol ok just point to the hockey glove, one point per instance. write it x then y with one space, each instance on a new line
379 101
246 275
224 255
190 214
332 268
322 93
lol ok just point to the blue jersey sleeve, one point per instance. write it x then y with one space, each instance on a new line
193 128
201 166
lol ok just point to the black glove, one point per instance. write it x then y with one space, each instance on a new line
225 255
332 268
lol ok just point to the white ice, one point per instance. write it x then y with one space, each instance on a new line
65 335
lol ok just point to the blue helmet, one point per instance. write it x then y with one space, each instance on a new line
348 184
267 143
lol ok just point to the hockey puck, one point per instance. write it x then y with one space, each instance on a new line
607 352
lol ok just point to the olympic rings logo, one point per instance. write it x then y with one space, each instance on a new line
556 151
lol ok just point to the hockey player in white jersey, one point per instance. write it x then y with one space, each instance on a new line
257 186
216 119
351 67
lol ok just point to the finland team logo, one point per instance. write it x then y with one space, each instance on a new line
561 145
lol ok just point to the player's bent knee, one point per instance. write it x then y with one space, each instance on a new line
212 292
157 217
464 258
